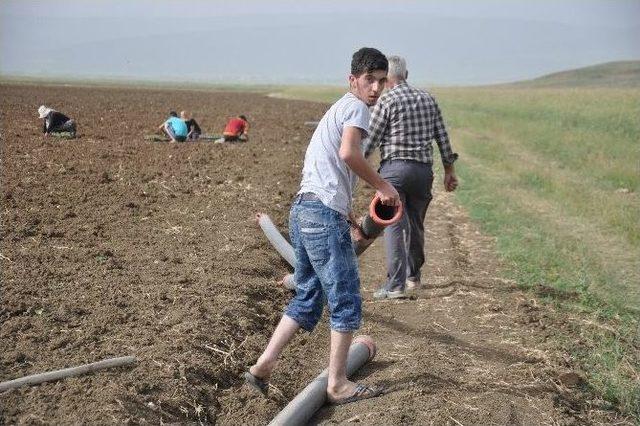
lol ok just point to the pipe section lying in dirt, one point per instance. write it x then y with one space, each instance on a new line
372 225
281 245
35 379
311 398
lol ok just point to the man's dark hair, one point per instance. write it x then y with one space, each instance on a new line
173 114
244 118
368 59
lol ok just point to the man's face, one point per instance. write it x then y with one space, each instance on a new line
368 86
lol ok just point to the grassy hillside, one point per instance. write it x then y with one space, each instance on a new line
611 74
554 175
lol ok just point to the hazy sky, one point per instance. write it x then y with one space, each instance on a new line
307 41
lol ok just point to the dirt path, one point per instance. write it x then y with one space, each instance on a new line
462 350
111 245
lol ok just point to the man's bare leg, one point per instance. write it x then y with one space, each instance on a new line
286 329
338 385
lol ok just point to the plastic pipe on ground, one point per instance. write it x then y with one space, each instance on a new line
374 222
281 245
372 225
35 379
311 398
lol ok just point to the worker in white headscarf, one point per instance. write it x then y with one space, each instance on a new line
55 122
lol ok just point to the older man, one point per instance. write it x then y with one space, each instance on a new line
404 123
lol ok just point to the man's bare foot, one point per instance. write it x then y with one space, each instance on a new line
342 390
262 371
353 392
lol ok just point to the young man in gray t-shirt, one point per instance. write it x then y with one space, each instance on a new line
326 265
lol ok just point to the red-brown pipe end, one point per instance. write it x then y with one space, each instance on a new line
367 340
384 215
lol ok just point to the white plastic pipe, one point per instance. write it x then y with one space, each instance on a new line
66 372
310 399
283 247
277 240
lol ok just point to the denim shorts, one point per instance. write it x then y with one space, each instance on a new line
326 268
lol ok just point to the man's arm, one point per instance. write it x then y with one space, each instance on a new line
446 152
351 154
442 138
377 128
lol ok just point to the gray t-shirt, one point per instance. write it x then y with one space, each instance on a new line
324 173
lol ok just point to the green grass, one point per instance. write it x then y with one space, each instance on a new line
554 175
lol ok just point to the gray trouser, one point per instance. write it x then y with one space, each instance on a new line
404 240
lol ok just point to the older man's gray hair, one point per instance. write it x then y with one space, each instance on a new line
397 67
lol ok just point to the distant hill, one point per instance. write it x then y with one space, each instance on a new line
610 74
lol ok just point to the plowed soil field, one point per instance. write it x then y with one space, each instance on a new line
112 245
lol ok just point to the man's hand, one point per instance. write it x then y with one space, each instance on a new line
356 232
388 195
46 135
450 181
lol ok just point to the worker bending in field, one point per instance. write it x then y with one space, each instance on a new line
175 128
237 129
193 129
56 122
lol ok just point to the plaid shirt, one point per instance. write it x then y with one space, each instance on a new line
403 123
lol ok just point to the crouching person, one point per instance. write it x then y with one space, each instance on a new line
175 128
236 130
326 266
193 127
56 122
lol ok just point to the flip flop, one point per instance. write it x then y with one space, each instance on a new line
360 393
257 383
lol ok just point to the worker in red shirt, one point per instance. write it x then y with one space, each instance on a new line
237 129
